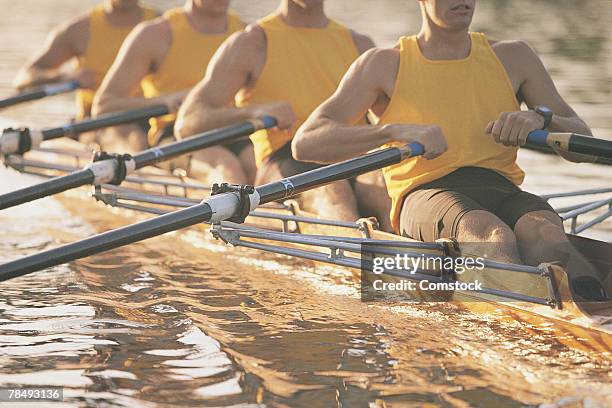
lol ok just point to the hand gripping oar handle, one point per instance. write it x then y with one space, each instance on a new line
19 141
109 169
39 93
572 142
214 209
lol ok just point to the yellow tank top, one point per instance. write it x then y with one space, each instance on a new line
304 67
462 97
185 63
104 43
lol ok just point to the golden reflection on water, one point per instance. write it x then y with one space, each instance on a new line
163 322
181 319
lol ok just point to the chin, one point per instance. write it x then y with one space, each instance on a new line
308 3
215 7
125 4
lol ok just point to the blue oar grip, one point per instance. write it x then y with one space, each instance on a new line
538 137
416 149
268 122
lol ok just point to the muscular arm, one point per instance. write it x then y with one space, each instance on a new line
330 134
61 45
210 104
538 88
145 46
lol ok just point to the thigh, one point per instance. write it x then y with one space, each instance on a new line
517 205
430 214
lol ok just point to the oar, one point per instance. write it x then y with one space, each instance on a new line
113 169
19 141
572 142
235 203
39 93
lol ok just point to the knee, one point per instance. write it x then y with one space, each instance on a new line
541 229
486 227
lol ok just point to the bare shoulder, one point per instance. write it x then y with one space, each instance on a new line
511 49
74 32
246 48
379 60
156 30
249 40
152 38
362 42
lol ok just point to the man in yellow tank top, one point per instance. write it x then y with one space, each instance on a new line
166 57
459 95
284 66
92 41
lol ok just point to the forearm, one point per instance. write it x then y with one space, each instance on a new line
196 117
323 140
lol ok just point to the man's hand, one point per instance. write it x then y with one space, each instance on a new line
86 78
174 100
281 111
512 128
430 136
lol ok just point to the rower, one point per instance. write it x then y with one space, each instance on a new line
166 57
458 94
283 66
92 40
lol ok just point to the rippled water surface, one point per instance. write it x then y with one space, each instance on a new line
183 320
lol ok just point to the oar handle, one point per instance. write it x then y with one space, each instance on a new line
572 142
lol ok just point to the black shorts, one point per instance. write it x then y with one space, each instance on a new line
281 164
433 210
166 135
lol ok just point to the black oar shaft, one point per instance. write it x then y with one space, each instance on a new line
324 175
21 98
216 208
106 241
106 169
200 141
39 93
112 119
50 187
591 146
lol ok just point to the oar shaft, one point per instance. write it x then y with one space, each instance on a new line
105 171
39 93
106 241
217 208
202 141
340 171
47 188
20 141
572 142
112 119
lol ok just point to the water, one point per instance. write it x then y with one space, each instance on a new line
184 321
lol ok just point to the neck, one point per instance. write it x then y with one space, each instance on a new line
308 17
204 21
438 43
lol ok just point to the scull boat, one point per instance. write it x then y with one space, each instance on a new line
535 295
